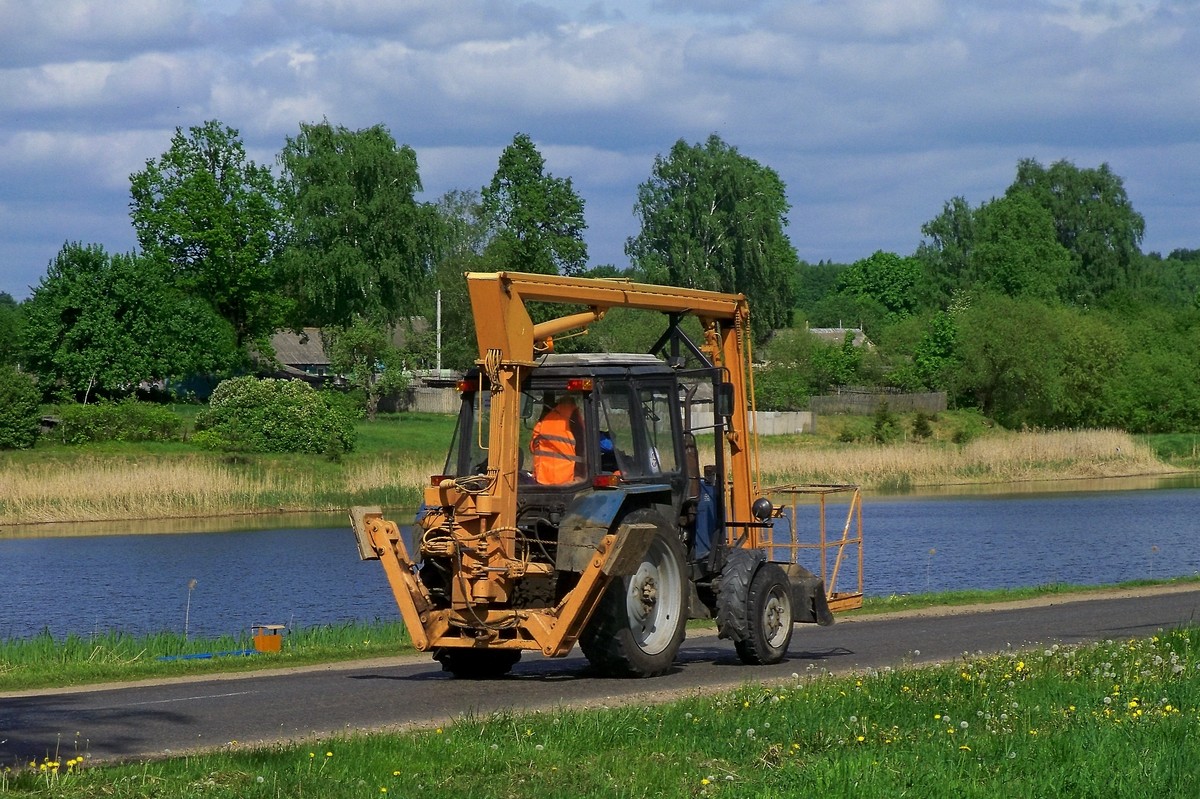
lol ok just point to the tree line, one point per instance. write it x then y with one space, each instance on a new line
1038 306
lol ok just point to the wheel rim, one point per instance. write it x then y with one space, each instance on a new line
777 617
654 599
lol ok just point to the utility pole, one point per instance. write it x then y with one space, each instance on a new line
439 332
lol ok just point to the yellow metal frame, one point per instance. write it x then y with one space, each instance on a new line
848 544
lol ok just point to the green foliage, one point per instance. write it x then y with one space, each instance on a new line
885 425
128 420
813 283
799 365
536 220
364 355
922 427
20 412
11 322
935 359
712 218
1093 219
887 279
947 254
781 389
214 216
1009 352
100 324
1016 251
252 415
360 244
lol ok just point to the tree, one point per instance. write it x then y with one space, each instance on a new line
214 217
363 354
360 242
947 254
536 220
460 240
1010 359
1016 251
936 358
711 218
1093 218
886 278
11 320
100 324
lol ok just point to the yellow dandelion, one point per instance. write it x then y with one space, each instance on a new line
704 781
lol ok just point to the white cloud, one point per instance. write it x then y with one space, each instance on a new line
874 112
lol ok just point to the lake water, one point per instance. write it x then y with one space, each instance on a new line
312 575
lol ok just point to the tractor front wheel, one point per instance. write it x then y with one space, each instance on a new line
769 616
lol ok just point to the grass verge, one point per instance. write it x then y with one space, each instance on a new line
46 662
1117 719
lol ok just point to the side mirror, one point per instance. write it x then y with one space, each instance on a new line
723 400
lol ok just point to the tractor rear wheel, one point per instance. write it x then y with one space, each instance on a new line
477 664
640 622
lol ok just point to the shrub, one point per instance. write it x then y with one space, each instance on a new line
886 426
128 420
252 415
19 409
921 427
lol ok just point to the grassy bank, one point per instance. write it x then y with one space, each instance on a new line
1118 719
395 455
45 662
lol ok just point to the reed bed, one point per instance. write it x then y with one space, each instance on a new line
96 487
90 489
382 474
998 458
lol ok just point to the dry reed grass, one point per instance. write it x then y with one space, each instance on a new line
383 473
103 489
998 458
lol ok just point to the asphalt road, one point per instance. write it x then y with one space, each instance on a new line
144 721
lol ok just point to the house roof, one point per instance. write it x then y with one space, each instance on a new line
305 347
837 335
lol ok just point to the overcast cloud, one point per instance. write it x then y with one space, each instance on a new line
874 112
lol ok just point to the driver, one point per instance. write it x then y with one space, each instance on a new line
555 443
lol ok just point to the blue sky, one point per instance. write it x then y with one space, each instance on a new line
874 112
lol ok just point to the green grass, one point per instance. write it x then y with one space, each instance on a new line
1117 719
1180 449
45 662
902 602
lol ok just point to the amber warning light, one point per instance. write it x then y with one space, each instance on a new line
579 384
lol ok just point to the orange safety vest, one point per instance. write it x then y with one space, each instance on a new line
553 447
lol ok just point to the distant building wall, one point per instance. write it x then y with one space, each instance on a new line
867 401
423 399
768 423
